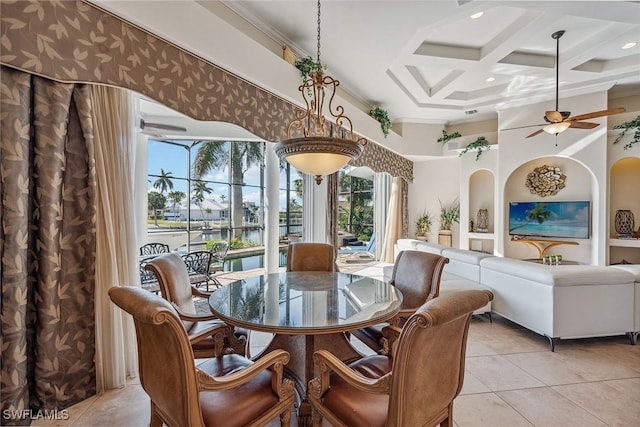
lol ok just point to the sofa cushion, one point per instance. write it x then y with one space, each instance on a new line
419 245
561 275
451 283
469 257
631 268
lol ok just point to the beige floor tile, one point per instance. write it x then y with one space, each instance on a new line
487 409
599 363
121 407
517 341
629 387
70 415
604 400
497 373
476 347
548 367
545 407
472 385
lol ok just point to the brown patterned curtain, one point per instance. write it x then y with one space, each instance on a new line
48 244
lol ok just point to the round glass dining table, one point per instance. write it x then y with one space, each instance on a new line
305 303
306 312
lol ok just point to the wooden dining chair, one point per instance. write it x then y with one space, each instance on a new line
204 334
417 275
414 388
310 257
229 390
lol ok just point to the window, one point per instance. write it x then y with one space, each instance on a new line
355 206
225 181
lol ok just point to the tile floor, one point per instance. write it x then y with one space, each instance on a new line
511 379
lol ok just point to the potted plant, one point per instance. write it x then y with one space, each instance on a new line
626 126
423 224
479 144
383 118
449 214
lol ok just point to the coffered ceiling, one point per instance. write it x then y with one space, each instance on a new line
431 61
422 61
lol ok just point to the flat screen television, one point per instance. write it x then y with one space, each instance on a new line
550 219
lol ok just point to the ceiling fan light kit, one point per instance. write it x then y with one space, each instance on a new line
556 128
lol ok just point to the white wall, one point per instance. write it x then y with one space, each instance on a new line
434 180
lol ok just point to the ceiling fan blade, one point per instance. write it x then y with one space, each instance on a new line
538 132
553 116
595 114
162 126
524 127
583 125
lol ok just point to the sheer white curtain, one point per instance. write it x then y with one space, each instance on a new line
116 253
382 194
394 227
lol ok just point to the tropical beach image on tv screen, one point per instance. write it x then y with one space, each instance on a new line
550 219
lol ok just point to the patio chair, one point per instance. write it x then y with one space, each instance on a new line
229 390
203 329
148 280
154 249
218 254
417 275
414 388
198 267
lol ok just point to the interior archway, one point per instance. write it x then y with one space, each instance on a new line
574 190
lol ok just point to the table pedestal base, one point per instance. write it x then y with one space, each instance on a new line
300 367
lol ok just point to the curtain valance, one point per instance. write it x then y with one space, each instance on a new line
78 42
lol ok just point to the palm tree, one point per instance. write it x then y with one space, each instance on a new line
176 197
215 155
199 189
155 203
163 183
540 213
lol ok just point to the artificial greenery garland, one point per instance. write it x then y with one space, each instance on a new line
633 124
447 137
479 144
383 117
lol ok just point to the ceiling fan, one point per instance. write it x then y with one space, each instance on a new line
559 121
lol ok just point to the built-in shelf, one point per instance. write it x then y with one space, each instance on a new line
625 243
483 236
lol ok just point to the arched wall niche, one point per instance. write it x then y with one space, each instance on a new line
482 184
624 194
481 195
91 45
580 184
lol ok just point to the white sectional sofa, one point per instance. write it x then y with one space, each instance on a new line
566 301
635 270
